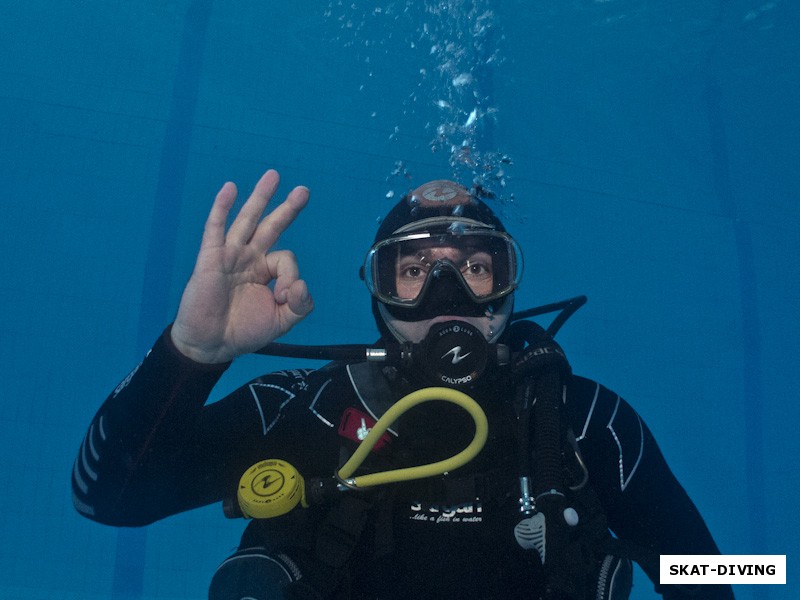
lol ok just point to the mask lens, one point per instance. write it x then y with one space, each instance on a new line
487 265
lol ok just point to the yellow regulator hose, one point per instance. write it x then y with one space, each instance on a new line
274 487
419 472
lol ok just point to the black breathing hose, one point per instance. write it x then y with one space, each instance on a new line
359 352
547 470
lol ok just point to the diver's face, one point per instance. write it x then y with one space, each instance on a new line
440 272
416 264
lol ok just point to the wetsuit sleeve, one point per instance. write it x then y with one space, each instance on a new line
646 506
154 449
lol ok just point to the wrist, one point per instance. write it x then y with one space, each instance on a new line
192 353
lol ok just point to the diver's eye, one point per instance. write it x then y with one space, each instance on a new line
477 266
412 272
410 278
475 270
477 273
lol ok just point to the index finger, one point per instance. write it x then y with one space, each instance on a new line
214 231
274 224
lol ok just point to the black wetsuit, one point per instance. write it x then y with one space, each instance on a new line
155 449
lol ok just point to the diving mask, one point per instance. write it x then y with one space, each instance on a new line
485 262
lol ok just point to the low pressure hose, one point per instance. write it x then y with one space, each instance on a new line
422 471
273 487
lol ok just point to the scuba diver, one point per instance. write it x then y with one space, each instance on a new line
558 485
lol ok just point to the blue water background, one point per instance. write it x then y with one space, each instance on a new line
655 169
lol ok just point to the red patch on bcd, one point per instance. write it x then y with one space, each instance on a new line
355 425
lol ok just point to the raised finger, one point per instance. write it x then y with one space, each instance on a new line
271 227
246 221
214 231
